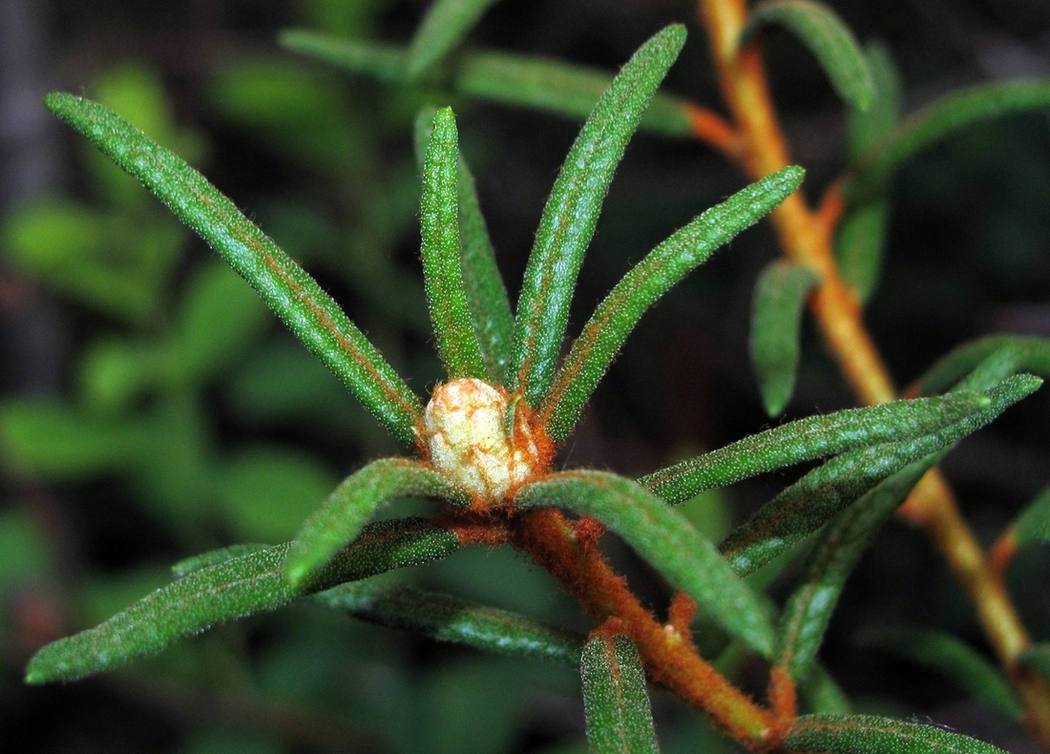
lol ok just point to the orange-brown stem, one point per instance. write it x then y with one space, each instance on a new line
551 541
806 237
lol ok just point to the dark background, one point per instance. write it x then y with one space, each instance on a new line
969 253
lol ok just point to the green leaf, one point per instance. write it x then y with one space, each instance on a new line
808 439
220 316
563 89
295 296
615 701
486 294
831 560
616 316
1034 522
776 320
571 213
860 242
231 589
439 224
820 29
953 658
936 121
665 540
445 24
866 129
1037 657
186 566
1011 352
869 734
450 619
819 692
382 61
353 502
808 504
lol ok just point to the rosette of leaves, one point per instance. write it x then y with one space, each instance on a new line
485 444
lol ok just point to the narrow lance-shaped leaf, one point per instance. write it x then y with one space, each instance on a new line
819 692
953 658
295 296
615 701
1037 657
861 235
384 62
439 225
561 88
665 540
450 619
808 439
571 213
445 24
832 559
338 521
819 28
1016 352
776 319
486 294
228 590
936 121
1033 524
603 335
812 501
193 563
870 734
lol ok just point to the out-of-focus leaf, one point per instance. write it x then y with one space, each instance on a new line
819 692
231 589
560 88
869 734
811 502
865 129
571 213
665 540
296 297
348 508
445 24
936 121
266 493
1034 522
618 313
831 560
953 658
446 618
808 439
114 373
859 243
23 550
820 29
52 440
1015 352
615 702
220 317
1037 657
450 313
776 319
383 61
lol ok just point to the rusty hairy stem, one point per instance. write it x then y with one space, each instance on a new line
806 238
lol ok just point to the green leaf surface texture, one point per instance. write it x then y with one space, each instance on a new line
186 566
558 87
1033 524
937 120
776 328
615 701
486 293
953 658
618 313
384 62
870 734
571 213
443 27
820 29
812 501
337 522
832 559
439 226
808 439
294 296
450 619
1013 352
230 589
665 540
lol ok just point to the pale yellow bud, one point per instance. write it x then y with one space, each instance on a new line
475 442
